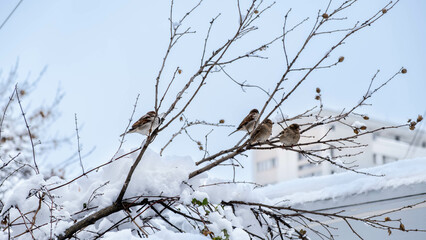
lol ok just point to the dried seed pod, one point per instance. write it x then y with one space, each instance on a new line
201 148
22 92
402 227
206 232
256 11
384 10
365 117
325 15
387 219
341 59
356 131
419 118
222 121
179 71
318 90
363 127
317 97
181 118
404 71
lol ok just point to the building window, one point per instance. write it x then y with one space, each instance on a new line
387 159
258 166
266 165
397 138
306 166
313 174
273 162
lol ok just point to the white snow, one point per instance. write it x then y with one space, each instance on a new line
239 234
123 234
176 24
338 161
219 224
165 234
358 124
400 173
290 232
154 176
20 196
168 176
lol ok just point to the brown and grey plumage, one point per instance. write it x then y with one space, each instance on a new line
248 122
263 132
145 125
290 135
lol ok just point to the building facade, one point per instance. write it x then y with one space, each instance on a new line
360 196
272 166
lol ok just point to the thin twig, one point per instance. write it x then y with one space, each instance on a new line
78 143
28 129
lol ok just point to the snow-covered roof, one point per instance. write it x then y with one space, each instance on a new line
303 190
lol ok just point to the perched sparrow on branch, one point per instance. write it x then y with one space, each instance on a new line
291 135
145 125
248 122
263 132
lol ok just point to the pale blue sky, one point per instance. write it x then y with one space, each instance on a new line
103 53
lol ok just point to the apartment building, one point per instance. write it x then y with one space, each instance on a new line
272 166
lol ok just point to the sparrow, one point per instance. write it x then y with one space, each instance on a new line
263 132
145 125
248 122
290 135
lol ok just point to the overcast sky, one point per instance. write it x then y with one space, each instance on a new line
103 53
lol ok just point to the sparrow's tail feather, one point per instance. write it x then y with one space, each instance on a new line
130 131
233 132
